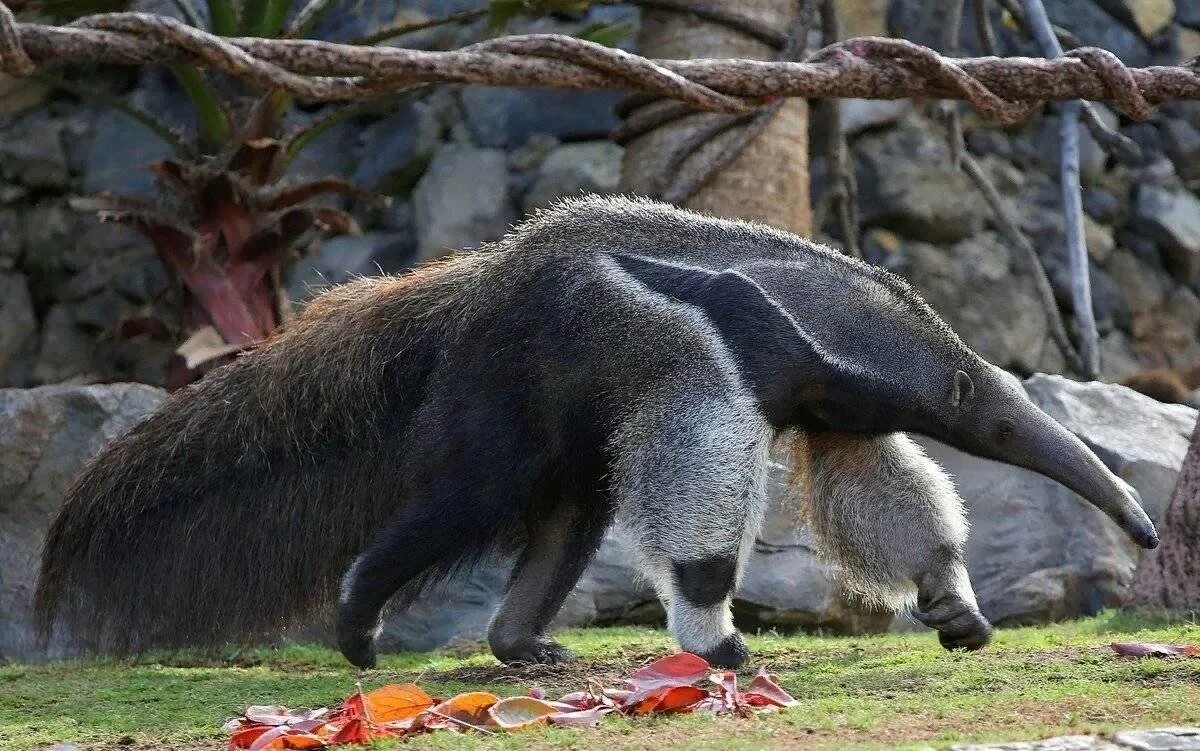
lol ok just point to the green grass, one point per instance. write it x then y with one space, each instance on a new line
854 692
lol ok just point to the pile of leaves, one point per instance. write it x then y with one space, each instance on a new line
680 683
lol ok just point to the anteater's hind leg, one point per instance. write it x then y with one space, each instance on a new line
465 491
558 549
890 517
421 544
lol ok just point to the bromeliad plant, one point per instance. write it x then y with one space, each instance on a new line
227 222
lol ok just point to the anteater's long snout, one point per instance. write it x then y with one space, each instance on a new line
1046 447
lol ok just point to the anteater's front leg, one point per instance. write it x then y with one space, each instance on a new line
691 489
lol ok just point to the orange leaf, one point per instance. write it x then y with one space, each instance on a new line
517 712
395 702
470 708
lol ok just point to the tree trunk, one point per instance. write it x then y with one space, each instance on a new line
768 181
1169 577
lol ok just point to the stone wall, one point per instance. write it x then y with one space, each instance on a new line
465 162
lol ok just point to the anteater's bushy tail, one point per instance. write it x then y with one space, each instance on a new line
238 503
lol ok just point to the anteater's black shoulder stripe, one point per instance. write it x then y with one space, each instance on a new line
763 340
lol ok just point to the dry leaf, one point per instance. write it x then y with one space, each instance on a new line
520 712
1143 649
395 702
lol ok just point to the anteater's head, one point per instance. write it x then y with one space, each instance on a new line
877 359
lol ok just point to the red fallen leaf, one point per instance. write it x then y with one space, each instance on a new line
1143 649
518 712
581 718
665 699
352 706
765 691
727 691
537 692
354 730
682 669
246 736
395 702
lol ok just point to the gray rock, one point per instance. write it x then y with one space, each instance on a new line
863 114
1172 218
394 151
118 156
66 352
454 610
1061 743
1091 155
1182 142
12 240
1037 552
461 200
32 153
509 116
331 153
574 168
1143 286
1162 739
906 184
46 435
1117 358
340 259
989 300
17 321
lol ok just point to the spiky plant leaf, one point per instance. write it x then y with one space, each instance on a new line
210 114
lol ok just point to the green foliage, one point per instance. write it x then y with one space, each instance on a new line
854 692
607 34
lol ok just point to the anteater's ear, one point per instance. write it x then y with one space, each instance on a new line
964 387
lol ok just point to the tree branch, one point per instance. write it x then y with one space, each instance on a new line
1077 256
1003 89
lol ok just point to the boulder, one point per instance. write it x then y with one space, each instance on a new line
119 154
17 321
461 200
1038 552
46 436
574 168
1172 218
507 117
340 259
32 153
988 297
906 183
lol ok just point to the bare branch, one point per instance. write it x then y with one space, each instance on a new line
1068 133
1001 88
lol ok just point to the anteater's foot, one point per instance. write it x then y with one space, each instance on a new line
959 626
541 650
731 653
